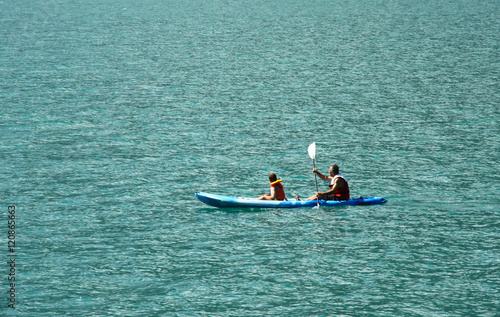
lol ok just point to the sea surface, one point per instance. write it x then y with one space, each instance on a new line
113 113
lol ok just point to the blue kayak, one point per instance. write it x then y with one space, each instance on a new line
222 201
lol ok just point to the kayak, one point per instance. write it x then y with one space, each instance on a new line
222 201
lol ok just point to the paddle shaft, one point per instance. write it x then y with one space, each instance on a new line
315 178
316 181
312 153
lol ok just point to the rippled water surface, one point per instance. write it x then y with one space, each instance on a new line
113 113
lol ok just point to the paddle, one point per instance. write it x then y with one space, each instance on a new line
312 154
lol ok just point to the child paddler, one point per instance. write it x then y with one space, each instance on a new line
277 190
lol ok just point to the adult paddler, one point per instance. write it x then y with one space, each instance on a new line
339 188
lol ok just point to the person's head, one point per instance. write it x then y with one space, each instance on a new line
272 177
334 169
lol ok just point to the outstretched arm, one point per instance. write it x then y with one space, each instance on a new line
323 177
330 191
268 197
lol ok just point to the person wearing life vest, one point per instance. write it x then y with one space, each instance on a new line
277 190
339 188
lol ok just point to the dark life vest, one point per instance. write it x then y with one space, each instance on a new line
340 193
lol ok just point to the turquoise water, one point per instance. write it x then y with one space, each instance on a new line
113 113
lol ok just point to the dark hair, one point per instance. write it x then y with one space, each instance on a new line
335 168
273 177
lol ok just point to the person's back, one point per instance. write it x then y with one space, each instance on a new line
278 189
341 191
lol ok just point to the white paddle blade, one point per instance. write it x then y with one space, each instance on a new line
312 150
